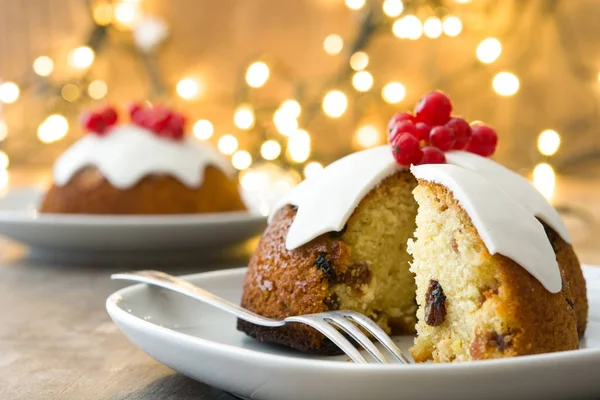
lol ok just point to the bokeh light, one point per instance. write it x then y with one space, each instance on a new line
393 8
368 136
188 88
291 107
70 92
81 57
393 92
241 160
355 4
505 84
359 61
97 89
489 50
54 128
362 81
270 150
9 92
452 26
257 74
335 103
313 168
333 44
548 142
43 66
408 27
432 27
299 146
544 179
285 122
243 117
203 129
227 144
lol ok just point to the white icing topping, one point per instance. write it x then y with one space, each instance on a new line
505 226
326 201
128 153
514 185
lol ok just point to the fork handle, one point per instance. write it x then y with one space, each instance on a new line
186 288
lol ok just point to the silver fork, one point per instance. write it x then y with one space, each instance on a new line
326 322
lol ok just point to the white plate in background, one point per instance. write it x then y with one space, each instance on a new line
126 237
202 343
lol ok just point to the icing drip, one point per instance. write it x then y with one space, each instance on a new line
129 153
505 226
514 185
326 201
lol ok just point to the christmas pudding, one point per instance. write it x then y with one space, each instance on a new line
428 236
146 167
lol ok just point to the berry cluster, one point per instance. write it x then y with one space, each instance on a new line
423 137
99 121
162 121
158 119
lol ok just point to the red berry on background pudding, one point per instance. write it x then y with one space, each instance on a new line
433 155
462 132
483 141
406 149
93 122
402 116
434 109
442 137
423 131
109 114
401 128
133 108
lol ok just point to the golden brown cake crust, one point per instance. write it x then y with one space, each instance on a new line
88 192
537 321
281 282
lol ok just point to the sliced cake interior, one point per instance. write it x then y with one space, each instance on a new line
475 305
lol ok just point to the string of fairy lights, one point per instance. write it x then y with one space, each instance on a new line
289 143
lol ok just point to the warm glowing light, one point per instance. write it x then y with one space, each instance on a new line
9 92
355 4
313 168
408 27
285 122
54 128
243 117
4 161
3 130
299 146
43 66
103 14
203 129
257 74
81 57
544 179
241 160
393 92
462 1
97 89
227 144
335 103
432 27
4 178
333 44
548 142
359 61
452 25
126 14
70 92
489 50
505 84
393 8
291 107
362 81
270 150
188 88
368 136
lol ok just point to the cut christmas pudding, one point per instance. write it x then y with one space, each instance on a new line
468 253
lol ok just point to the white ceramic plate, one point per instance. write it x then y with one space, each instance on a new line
92 236
202 343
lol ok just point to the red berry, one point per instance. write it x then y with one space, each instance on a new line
433 155
92 122
483 141
462 132
141 117
402 127
403 116
158 120
109 114
442 137
175 126
423 131
406 150
133 108
433 109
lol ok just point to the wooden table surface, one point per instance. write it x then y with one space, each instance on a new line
57 342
